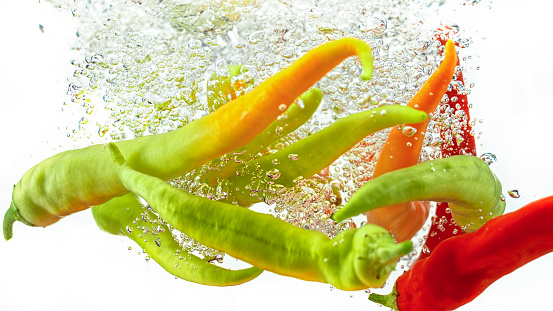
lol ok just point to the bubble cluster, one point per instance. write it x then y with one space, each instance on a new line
149 226
147 67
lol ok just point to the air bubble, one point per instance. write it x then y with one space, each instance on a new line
74 89
375 25
75 12
102 130
513 193
256 37
273 174
489 158
408 131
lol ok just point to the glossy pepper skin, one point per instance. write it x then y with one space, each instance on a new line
355 259
125 216
401 150
462 267
465 182
75 180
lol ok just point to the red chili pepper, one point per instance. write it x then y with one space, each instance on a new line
462 267
455 144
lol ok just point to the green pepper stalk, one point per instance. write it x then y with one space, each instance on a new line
125 216
313 153
75 180
353 260
466 182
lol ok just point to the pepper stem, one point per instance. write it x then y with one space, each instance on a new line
9 219
391 254
385 300
12 215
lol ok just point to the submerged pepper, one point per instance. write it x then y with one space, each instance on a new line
125 216
402 149
458 140
308 156
462 267
289 121
75 180
354 259
465 182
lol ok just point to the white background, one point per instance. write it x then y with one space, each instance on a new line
74 266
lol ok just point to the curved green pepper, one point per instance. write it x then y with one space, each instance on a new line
125 216
294 117
353 260
465 182
313 153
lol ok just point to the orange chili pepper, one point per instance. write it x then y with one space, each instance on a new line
273 96
401 150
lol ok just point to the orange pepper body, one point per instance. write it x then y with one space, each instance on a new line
401 151
273 96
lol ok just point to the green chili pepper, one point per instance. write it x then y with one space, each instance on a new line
313 153
293 118
466 182
354 259
125 216
75 180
